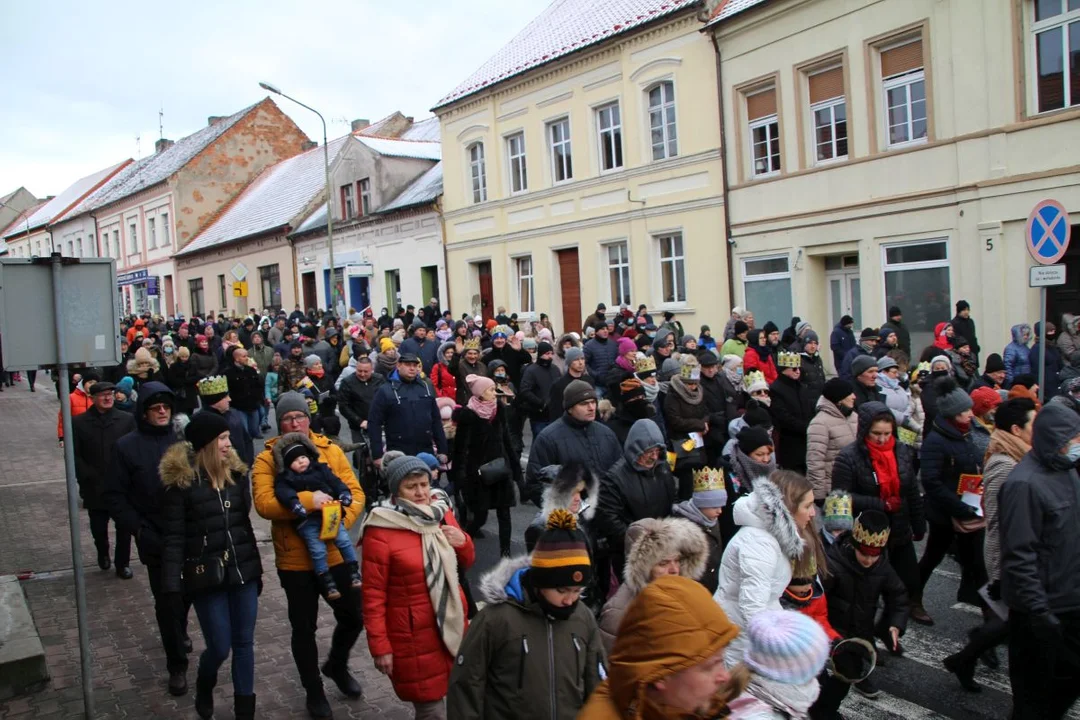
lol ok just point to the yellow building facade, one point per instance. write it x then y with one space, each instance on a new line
594 177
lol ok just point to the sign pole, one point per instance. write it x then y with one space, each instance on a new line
72 493
1042 343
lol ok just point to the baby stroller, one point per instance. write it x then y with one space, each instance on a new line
371 480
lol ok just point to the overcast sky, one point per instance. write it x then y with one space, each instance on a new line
83 80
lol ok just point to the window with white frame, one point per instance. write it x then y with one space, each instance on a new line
515 153
91 246
562 167
365 196
904 94
618 263
672 268
165 230
1056 47
133 239
116 244
151 233
917 279
348 204
78 247
764 133
523 268
767 288
195 291
828 110
478 172
609 126
663 135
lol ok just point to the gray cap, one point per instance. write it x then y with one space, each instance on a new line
578 391
573 354
885 363
953 402
401 468
291 402
312 360
863 363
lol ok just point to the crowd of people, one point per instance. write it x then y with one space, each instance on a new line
724 527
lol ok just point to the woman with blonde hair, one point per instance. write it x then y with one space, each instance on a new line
210 555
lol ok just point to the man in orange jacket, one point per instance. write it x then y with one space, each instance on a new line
80 401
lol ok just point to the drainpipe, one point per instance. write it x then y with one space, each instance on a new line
446 255
724 176
295 272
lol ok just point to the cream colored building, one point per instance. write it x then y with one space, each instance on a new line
889 153
579 171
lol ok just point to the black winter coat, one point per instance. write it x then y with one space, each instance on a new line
721 404
182 378
555 406
791 412
621 421
516 361
480 441
852 593
238 434
965 328
946 454
407 413
854 472
567 440
534 391
94 435
813 377
133 491
200 521
355 397
865 394
245 388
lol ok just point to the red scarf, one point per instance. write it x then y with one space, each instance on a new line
318 374
883 459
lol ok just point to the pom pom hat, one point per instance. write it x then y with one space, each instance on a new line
561 556
786 646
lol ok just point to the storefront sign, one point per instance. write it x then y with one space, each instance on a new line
132 278
152 285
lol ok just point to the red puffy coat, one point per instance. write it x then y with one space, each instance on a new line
752 361
398 614
444 382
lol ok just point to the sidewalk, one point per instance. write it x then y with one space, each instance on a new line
128 663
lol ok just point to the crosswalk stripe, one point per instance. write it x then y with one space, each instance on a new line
885 707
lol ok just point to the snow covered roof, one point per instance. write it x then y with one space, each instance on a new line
424 130
423 190
71 196
728 8
422 150
317 219
18 225
159 166
565 27
272 201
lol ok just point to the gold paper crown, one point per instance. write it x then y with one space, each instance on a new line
213 385
690 371
838 505
645 364
755 377
707 479
472 344
788 360
504 329
875 540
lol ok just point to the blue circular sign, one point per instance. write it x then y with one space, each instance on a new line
1048 232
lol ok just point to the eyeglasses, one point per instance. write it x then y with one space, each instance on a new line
293 418
159 407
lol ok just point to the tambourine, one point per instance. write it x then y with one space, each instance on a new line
848 660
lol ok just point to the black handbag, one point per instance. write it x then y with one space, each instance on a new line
494 472
206 572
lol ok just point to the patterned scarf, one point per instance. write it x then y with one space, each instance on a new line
747 470
690 397
440 561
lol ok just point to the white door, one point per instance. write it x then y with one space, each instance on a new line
845 296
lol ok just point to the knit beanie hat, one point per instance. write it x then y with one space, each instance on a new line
709 490
861 364
385 345
709 358
951 400
478 384
430 460
543 347
786 646
961 306
561 555
626 345
757 416
871 532
837 389
294 451
578 391
994 363
837 512
402 467
751 438
984 400
204 428
811 336
312 360
740 327
886 362
631 390
868 334
291 402
573 354
770 327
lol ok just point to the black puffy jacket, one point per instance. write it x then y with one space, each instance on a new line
407 412
534 392
946 455
133 491
854 472
791 411
355 397
94 435
852 593
201 522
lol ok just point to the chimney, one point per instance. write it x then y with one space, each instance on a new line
308 145
162 145
358 125
215 119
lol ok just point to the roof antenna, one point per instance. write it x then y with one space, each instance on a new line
161 122
138 147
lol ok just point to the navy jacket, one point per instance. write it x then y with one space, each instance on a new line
426 351
133 491
600 358
946 454
1053 366
841 341
408 414
845 365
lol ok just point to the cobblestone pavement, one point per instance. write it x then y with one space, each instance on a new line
128 662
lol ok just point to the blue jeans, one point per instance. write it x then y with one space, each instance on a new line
310 529
538 427
251 417
227 619
264 412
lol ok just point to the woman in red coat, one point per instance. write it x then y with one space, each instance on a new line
441 378
411 551
759 356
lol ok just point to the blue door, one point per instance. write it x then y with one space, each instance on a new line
358 293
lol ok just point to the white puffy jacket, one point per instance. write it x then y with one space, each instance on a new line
756 566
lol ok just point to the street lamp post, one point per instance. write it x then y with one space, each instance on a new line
329 206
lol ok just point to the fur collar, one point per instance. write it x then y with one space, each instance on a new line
557 495
493 583
177 466
661 539
291 439
764 509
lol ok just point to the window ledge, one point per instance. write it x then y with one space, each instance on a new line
765 176
907 144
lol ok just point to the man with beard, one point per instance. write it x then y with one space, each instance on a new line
534 392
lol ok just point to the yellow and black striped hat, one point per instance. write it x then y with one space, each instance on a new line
561 557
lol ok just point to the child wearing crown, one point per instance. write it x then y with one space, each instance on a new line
704 509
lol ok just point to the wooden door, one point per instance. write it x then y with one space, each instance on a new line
487 298
570 286
170 303
311 296
1066 298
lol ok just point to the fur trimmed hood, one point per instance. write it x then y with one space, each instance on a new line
557 493
177 467
764 508
497 585
291 439
651 540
